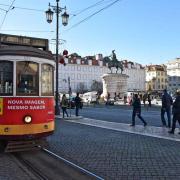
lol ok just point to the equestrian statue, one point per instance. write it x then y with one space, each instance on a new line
113 62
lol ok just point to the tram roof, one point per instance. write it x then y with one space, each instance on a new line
25 51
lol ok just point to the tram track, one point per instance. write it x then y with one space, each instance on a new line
84 171
46 165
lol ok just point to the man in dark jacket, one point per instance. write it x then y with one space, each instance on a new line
77 103
166 107
176 112
137 110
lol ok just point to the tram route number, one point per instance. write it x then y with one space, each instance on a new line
1 106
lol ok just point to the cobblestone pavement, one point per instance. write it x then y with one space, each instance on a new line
117 155
11 169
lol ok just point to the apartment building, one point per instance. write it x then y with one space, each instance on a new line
80 72
156 78
173 72
137 76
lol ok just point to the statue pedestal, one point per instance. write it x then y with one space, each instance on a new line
114 83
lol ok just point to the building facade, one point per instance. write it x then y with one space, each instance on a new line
137 76
173 72
156 78
80 73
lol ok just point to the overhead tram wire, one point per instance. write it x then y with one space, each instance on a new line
3 9
85 19
89 7
38 10
23 8
6 14
80 11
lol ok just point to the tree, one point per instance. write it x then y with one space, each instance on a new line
97 86
81 88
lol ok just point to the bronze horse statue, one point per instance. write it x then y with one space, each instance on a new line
113 62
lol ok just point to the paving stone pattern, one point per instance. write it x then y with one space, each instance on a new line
11 169
117 155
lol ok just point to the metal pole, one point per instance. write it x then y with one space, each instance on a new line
57 108
69 89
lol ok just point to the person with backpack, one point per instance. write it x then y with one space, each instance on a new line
137 110
176 112
166 107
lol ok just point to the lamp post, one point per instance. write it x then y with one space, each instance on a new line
49 17
70 93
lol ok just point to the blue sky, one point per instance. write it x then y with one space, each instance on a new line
144 31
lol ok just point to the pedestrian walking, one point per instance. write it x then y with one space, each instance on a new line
176 112
137 110
64 104
166 107
77 103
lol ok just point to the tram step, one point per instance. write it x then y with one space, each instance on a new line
15 146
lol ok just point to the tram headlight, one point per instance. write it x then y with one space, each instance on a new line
27 119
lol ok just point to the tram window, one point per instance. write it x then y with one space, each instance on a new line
47 80
27 78
6 78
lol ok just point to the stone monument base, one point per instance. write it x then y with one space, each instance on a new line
114 84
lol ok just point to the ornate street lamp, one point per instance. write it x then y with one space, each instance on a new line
49 17
65 18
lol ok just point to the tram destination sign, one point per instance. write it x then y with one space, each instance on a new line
7 39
